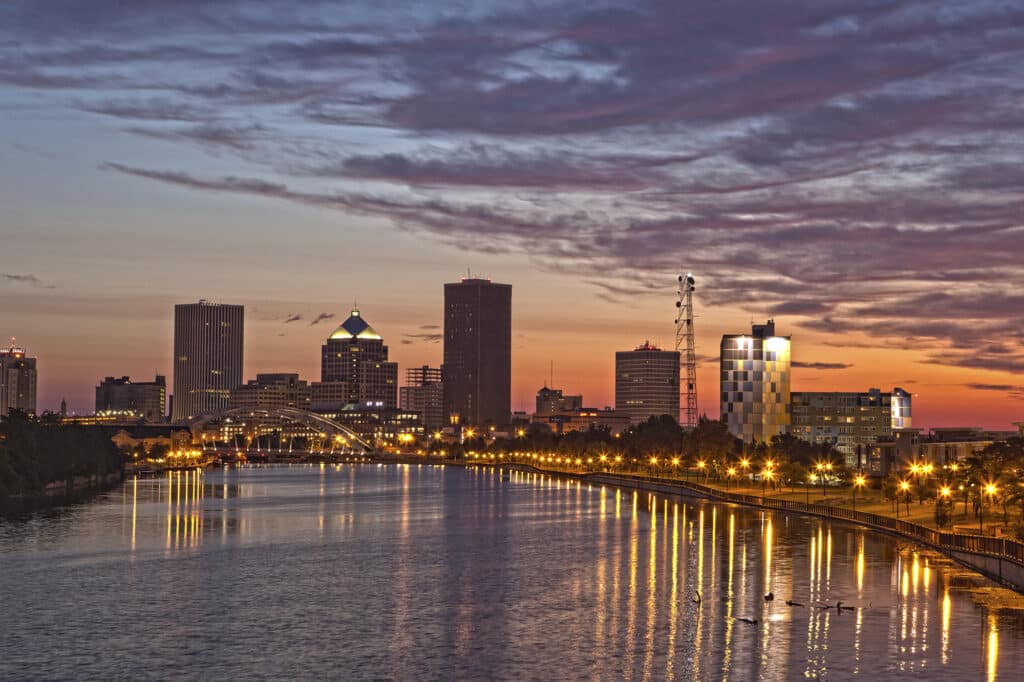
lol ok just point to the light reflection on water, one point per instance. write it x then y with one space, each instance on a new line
418 572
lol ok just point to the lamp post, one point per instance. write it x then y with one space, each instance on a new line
990 490
702 465
745 465
766 475
904 488
858 482
730 472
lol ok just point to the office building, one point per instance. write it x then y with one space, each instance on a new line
755 383
17 380
647 383
478 352
423 393
122 397
272 391
354 368
851 422
552 400
208 342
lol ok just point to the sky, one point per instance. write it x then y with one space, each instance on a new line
849 168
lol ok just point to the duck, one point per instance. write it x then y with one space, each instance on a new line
770 597
790 602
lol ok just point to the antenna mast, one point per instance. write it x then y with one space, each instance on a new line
687 352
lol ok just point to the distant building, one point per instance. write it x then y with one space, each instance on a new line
647 383
354 368
755 376
941 446
849 421
122 396
272 391
584 419
424 393
382 425
208 344
17 380
478 352
551 400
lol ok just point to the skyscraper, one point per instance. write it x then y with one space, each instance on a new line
755 383
647 382
354 368
478 352
17 380
208 342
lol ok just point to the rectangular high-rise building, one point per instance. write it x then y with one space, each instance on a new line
478 352
142 399
647 383
755 378
17 380
208 342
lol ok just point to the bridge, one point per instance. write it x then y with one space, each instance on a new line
250 423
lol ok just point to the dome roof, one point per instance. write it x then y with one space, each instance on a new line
355 327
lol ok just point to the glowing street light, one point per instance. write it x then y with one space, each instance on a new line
990 489
903 488
858 482
730 472
766 475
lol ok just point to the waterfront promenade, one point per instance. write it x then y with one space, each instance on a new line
1000 558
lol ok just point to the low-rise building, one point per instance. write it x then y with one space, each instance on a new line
424 393
272 391
124 398
584 419
849 421
553 401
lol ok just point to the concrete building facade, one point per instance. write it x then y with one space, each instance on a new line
647 383
208 346
143 399
477 366
18 379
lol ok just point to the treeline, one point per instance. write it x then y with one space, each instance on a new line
35 452
664 440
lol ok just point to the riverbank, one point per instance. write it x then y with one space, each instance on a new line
1001 559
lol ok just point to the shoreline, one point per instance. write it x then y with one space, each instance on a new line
978 553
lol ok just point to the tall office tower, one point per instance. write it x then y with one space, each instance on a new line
647 383
208 342
143 399
849 421
424 393
478 352
755 383
354 368
552 400
17 380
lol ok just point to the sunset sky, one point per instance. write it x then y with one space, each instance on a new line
851 168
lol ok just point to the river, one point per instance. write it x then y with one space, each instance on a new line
421 572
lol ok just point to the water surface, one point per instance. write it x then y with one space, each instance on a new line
417 572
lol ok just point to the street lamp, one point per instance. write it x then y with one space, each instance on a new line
701 464
745 465
822 467
766 475
858 482
904 488
730 472
990 490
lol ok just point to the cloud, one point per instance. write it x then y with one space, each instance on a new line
821 365
821 163
294 317
28 280
320 318
429 337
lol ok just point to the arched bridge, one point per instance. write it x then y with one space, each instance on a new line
333 432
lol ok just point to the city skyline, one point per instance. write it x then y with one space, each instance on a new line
831 169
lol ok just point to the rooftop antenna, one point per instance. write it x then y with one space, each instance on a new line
552 374
686 348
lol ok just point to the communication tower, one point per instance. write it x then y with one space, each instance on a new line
687 352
